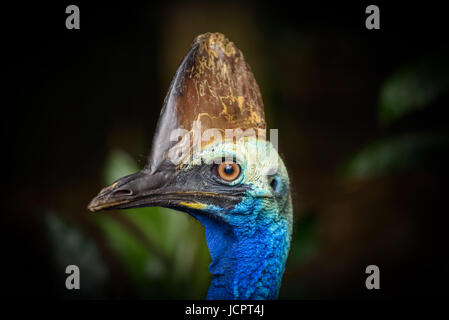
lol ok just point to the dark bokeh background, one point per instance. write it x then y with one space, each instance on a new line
362 126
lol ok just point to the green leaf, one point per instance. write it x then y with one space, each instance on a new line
412 87
135 256
397 154
118 165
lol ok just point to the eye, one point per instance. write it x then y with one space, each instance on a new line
228 171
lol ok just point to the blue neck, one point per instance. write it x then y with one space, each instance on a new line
247 262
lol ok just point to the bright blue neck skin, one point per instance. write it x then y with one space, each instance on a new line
248 254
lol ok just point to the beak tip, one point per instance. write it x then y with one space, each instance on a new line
93 205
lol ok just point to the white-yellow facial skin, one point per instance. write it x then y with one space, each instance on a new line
257 159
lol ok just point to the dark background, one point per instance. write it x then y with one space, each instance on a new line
74 95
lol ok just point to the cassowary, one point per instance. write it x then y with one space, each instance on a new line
238 188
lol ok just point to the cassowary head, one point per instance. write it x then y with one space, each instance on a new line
210 158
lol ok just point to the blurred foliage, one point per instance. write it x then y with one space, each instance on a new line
412 87
304 247
397 154
162 250
305 241
71 246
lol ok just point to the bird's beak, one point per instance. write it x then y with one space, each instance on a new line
136 190
144 189
122 192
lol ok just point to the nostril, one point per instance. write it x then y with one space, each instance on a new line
122 192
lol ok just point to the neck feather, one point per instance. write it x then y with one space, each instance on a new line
247 262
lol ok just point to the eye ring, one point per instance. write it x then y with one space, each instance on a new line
229 171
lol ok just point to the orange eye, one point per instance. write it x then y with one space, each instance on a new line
229 171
